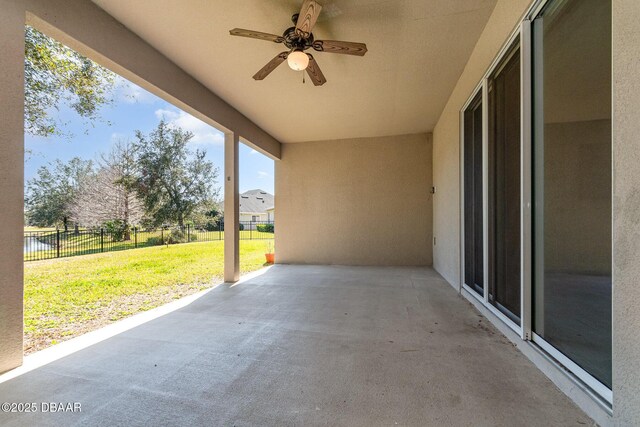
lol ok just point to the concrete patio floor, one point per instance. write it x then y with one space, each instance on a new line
304 345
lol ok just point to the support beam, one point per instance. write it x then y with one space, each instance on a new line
231 209
11 182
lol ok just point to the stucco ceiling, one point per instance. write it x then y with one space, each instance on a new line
417 51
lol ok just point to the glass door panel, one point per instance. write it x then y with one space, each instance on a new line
504 185
473 205
572 181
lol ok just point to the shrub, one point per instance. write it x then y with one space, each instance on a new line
174 236
116 229
220 226
155 241
170 237
265 228
212 226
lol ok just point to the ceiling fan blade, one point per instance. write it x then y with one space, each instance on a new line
335 46
307 17
256 35
314 72
271 65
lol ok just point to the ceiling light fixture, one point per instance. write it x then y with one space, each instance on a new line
298 60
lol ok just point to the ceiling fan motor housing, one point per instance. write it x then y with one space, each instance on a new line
293 41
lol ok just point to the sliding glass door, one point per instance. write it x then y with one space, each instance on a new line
537 187
473 218
572 183
492 215
504 185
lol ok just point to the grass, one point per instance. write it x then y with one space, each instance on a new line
90 243
67 297
33 228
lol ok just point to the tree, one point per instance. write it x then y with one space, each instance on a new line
208 215
109 197
54 74
51 193
172 180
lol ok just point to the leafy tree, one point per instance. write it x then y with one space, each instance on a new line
54 74
109 198
173 180
208 215
51 193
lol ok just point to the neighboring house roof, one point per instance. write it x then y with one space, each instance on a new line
255 201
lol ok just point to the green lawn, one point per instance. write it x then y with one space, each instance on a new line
70 296
90 243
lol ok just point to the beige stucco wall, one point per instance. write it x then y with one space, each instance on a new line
355 202
446 138
626 211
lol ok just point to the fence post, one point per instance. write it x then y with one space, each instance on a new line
57 242
250 230
188 233
162 234
101 239
135 237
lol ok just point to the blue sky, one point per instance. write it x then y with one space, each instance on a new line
136 109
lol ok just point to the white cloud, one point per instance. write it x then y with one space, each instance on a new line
132 94
168 115
252 152
263 174
203 134
116 137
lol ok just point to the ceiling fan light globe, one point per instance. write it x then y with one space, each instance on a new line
298 60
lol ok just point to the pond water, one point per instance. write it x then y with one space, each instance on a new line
32 244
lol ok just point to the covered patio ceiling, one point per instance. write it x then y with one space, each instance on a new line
417 51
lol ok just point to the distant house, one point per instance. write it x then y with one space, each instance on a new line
256 205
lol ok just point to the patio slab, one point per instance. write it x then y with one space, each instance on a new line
303 345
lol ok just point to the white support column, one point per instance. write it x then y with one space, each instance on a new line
12 21
231 209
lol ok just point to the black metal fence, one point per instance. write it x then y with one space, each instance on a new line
57 243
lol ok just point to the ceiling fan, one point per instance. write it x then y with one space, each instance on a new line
298 39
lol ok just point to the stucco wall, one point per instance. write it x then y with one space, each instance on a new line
626 211
355 202
446 138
